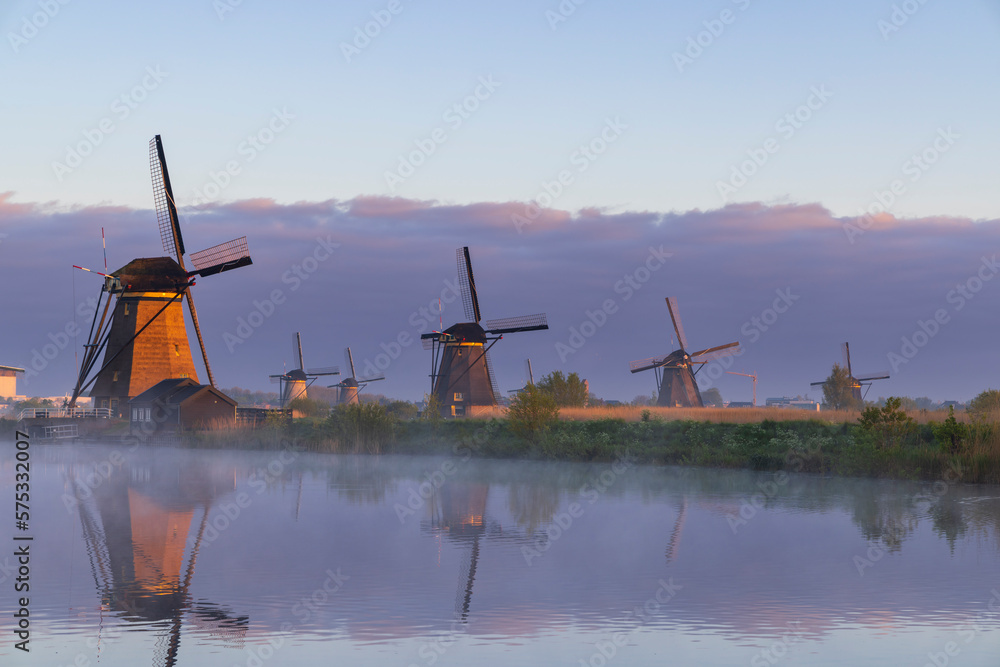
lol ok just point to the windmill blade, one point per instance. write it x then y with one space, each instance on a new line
324 370
223 257
470 299
427 343
716 352
349 358
817 384
847 359
276 379
297 350
646 364
508 325
531 376
884 375
163 197
675 317
373 378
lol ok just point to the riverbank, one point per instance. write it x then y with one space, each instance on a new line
846 448
920 447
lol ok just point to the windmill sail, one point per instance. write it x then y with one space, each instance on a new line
163 197
223 257
675 317
508 325
467 282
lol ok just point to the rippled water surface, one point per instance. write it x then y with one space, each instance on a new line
167 557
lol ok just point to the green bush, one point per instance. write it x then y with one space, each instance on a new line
951 435
889 425
532 412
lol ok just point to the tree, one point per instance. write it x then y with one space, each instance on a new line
889 424
531 412
985 406
566 391
712 397
838 392
642 400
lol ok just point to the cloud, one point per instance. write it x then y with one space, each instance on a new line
395 256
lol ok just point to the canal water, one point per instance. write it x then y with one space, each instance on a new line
176 557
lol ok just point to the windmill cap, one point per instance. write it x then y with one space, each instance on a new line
152 274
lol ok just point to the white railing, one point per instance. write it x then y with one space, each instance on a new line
75 413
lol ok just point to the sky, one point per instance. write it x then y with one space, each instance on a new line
832 157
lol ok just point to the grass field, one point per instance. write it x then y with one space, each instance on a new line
722 415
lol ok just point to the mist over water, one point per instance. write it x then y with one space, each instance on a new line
163 556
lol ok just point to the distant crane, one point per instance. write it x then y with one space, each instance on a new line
754 377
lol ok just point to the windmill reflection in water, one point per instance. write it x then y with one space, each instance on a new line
136 525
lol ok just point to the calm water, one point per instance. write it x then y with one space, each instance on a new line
204 558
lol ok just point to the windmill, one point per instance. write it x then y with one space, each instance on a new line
350 387
531 379
856 383
145 340
294 382
675 371
462 376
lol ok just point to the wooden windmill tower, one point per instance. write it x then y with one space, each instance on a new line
462 376
349 387
856 383
145 339
675 371
295 382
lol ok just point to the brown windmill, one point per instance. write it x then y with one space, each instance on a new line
675 371
295 382
856 382
350 387
462 376
145 340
